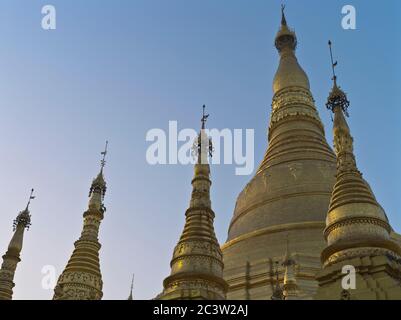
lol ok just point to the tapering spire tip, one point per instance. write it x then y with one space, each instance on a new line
204 117
104 153
337 97
283 19
31 197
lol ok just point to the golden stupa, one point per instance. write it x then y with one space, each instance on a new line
82 278
357 232
305 215
12 256
290 193
197 263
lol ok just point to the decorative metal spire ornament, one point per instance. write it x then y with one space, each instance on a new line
103 153
337 97
204 117
98 183
333 64
203 146
24 218
131 297
283 20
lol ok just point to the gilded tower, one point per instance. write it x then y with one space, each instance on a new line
289 194
12 256
197 263
290 287
357 229
82 279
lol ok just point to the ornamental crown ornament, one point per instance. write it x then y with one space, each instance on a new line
99 184
285 36
24 217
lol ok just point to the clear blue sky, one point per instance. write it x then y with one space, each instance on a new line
115 69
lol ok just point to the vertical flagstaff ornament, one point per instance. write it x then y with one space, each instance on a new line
337 97
203 148
12 256
104 153
82 279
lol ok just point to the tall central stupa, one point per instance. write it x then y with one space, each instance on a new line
290 193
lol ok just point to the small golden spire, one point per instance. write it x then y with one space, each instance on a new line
290 287
189 279
74 283
354 217
277 291
99 184
12 256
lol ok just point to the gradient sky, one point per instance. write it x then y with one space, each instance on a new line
115 69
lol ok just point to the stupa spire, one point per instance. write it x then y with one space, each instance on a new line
197 263
351 192
290 192
357 230
82 279
277 293
12 256
290 287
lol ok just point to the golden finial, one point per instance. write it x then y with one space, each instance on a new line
283 20
202 145
285 37
103 153
337 97
204 117
31 197
98 183
24 218
333 64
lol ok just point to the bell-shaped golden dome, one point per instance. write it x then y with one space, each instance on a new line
290 192
289 72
